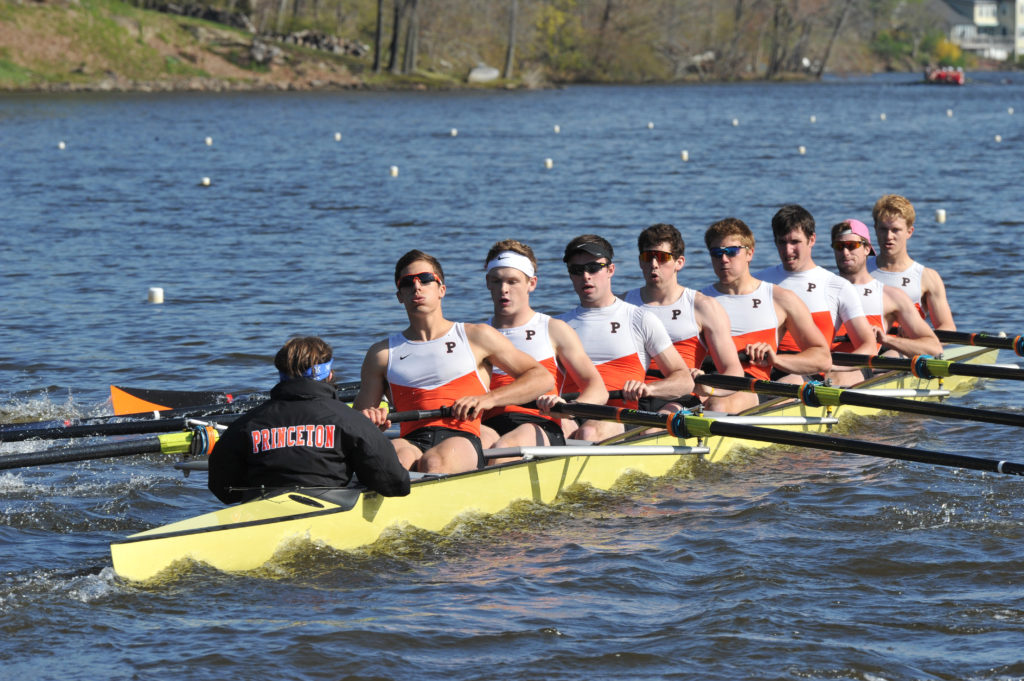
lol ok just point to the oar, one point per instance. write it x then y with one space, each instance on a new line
982 339
185 399
685 425
926 366
169 443
815 395
157 422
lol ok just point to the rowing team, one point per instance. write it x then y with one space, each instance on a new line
779 323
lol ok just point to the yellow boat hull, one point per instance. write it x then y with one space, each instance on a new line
246 536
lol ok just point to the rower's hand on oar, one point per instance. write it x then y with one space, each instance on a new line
471 406
546 402
378 416
634 390
699 389
761 354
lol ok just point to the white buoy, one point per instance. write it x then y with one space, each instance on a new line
156 295
999 138
882 116
685 155
548 163
394 171
61 145
337 137
209 141
205 182
455 132
940 215
650 125
814 119
802 149
1010 111
558 128
735 122
949 113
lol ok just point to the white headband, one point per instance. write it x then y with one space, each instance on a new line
512 259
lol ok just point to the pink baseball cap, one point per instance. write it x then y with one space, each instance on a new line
860 229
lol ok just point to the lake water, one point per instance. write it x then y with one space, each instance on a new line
779 565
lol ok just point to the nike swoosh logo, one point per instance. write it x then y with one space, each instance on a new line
402 356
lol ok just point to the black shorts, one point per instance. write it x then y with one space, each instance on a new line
510 420
431 436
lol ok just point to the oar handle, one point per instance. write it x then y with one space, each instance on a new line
419 414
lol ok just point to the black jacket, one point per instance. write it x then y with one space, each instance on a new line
303 437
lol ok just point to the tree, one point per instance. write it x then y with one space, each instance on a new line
513 16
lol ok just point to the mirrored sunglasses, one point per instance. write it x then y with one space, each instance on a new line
729 251
848 245
661 256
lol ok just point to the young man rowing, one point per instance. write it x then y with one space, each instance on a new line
832 301
759 312
894 225
620 338
883 305
511 277
439 363
696 323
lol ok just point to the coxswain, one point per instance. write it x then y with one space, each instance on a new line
759 312
697 324
621 339
884 306
832 301
511 275
440 363
894 225
303 436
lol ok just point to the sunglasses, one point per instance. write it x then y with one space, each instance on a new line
729 251
848 245
661 256
423 277
588 267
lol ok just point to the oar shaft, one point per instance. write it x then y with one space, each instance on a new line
878 449
817 395
982 339
928 367
683 425
106 429
149 445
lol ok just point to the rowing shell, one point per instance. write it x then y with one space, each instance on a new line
246 536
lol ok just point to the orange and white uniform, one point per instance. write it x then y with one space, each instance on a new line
752 319
908 281
533 339
872 298
831 299
680 320
432 374
621 339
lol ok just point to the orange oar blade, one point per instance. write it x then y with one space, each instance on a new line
141 400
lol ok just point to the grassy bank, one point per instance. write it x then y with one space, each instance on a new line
109 45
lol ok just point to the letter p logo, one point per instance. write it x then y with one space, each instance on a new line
615 327
450 345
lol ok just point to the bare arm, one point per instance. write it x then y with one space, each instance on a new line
917 338
933 297
531 379
713 321
577 364
678 380
814 356
861 337
371 385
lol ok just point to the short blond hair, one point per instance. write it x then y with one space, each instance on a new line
893 206
729 227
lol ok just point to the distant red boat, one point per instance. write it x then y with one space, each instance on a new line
944 76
